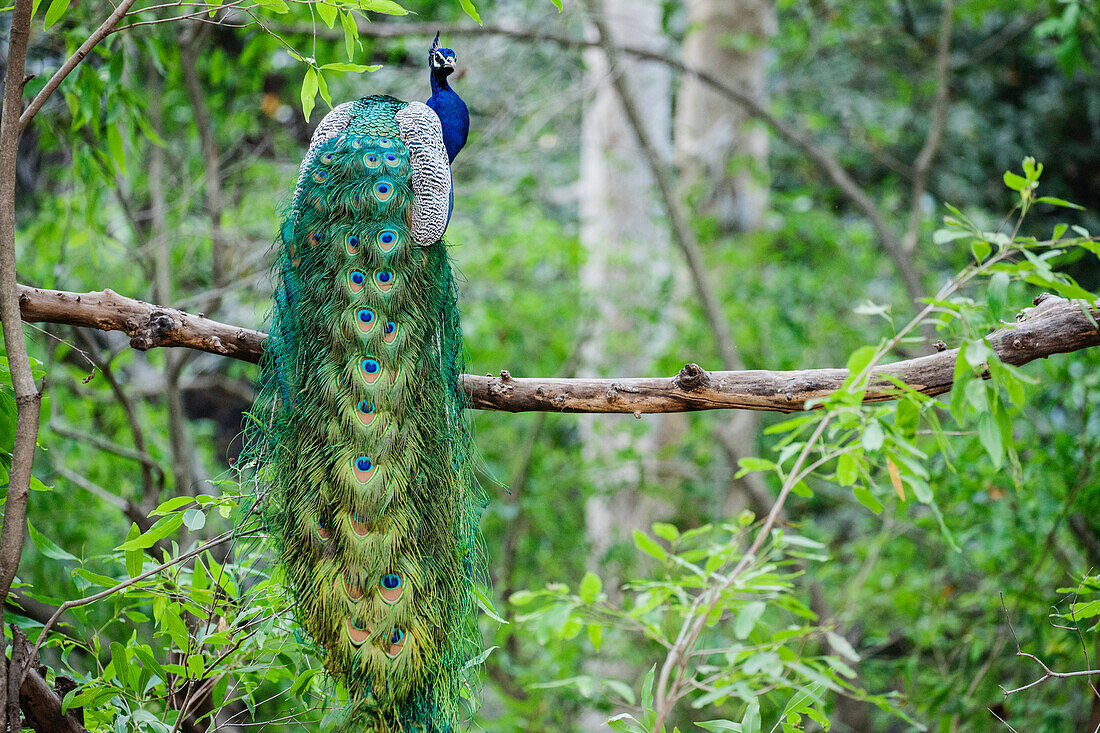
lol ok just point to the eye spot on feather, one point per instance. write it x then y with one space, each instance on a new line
358 525
389 332
391 160
397 643
391 587
363 468
357 631
320 176
370 370
384 280
387 240
327 158
364 410
324 527
356 280
372 161
354 591
356 199
364 320
383 191
385 142
351 244
314 239
357 143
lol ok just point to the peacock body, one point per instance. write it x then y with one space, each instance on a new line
363 449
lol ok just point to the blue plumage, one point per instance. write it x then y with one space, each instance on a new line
445 101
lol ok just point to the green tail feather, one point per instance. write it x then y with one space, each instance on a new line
363 451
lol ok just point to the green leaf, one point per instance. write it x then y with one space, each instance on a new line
847 469
47 547
171 505
590 587
1016 182
720 726
873 436
649 546
134 558
275 6
479 659
841 646
387 7
327 12
164 527
749 464
595 638
470 10
750 722
351 33
557 4
981 249
859 359
747 618
309 92
114 144
666 531
485 603
55 12
358 68
867 499
1059 202
989 432
195 519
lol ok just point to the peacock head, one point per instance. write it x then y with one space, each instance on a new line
441 60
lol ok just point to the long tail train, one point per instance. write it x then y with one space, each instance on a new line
361 444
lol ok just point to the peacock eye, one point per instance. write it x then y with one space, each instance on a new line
363 463
397 636
391 580
390 327
365 407
357 277
365 315
385 276
370 366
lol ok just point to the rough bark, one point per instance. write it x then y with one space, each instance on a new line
27 398
1054 326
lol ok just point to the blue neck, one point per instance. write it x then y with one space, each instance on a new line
453 115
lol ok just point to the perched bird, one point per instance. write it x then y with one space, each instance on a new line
360 442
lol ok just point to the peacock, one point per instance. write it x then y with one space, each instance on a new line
360 442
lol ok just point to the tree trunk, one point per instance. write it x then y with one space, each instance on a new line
628 279
721 152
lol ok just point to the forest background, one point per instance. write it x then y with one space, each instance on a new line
789 185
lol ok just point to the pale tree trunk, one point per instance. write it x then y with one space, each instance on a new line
723 156
628 279
628 271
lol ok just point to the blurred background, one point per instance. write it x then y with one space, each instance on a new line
804 171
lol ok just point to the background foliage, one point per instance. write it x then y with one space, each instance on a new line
878 603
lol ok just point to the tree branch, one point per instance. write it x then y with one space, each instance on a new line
1054 326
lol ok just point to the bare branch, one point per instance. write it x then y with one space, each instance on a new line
1054 326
